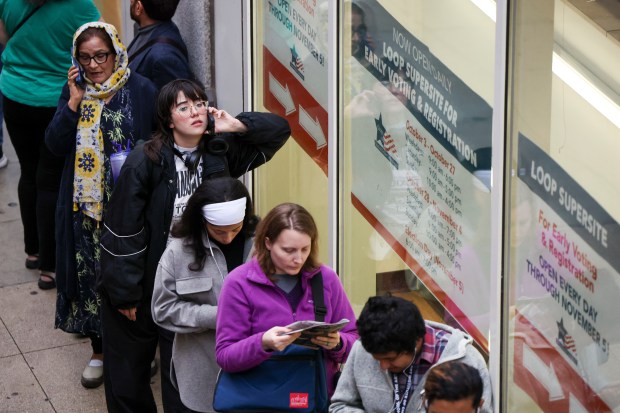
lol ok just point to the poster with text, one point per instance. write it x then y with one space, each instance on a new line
421 164
295 70
567 263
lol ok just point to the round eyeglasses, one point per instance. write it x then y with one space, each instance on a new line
99 58
184 109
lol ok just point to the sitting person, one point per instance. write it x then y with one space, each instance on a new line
387 366
453 387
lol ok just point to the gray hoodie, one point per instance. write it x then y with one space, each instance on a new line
185 302
365 387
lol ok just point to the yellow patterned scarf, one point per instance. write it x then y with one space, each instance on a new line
89 155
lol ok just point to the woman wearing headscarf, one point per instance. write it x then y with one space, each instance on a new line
103 111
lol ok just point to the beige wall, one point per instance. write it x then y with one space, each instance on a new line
111 12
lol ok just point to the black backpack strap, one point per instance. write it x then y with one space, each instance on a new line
161 39
318 297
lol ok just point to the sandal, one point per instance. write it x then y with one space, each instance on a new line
32 264
46 284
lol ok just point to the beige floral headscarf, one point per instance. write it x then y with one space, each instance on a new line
88 171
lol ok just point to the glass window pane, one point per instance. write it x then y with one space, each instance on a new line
563 260
418 87
290 52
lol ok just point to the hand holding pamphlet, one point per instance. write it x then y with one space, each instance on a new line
311 328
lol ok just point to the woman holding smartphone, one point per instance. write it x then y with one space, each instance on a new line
97 120
150 195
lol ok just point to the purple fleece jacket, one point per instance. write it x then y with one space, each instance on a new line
251 304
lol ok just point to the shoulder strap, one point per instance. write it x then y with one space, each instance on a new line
21 23
161 39
318 297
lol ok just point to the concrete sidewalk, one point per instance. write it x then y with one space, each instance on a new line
40 367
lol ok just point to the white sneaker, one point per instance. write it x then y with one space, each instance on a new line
92 376
3 161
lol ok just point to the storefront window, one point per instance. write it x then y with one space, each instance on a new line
416 156
563 263
290 50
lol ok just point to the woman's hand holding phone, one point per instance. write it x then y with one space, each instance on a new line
224 122
76 92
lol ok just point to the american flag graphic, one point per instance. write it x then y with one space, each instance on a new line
299 64
296 62
388 144
566 341
569 343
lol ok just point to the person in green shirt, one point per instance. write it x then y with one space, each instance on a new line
35 61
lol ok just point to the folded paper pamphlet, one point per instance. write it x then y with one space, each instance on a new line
311 328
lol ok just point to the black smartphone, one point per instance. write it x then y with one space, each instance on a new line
210 124
79 80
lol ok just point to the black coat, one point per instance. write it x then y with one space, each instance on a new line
166 58
60 139
139 214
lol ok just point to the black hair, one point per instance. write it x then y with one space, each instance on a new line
161 10
453 381
166 100
192 227
389 324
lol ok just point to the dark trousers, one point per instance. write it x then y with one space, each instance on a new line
128 349
39 180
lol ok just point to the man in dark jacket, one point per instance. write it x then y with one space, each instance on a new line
158 51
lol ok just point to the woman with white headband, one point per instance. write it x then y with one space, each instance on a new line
213 236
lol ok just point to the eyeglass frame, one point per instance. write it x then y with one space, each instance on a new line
191 106
82 58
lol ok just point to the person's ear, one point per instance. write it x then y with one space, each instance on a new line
267 244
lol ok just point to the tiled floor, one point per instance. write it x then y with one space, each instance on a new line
40 367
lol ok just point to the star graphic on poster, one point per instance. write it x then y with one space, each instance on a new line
380 128
561 329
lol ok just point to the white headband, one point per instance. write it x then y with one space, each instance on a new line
225 213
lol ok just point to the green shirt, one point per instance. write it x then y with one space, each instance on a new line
37 58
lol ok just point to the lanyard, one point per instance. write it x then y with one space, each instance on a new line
400 402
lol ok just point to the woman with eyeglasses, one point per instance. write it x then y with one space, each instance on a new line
104 109
193 142
213 237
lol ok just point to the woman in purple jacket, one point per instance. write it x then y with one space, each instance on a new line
273 290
